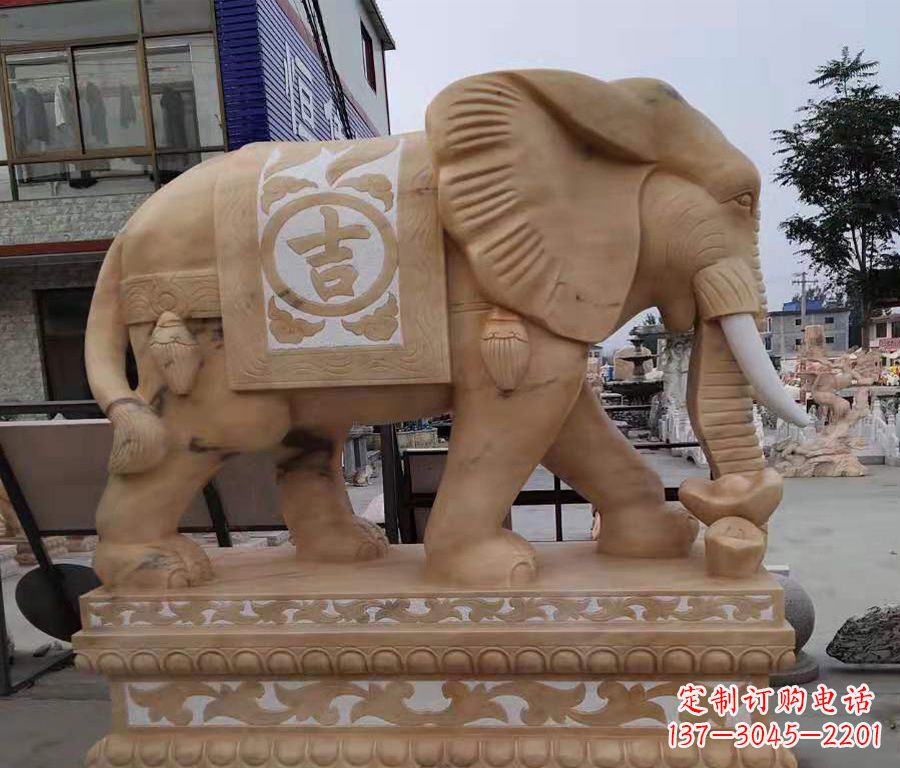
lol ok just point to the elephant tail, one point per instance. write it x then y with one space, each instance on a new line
139 435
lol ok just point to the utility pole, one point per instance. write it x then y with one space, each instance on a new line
800 279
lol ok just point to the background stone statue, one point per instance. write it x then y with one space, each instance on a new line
831 452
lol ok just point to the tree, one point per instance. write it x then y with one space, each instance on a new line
812 294
843 158
832 297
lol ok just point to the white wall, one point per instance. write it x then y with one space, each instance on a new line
342 18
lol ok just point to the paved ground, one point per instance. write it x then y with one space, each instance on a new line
839 537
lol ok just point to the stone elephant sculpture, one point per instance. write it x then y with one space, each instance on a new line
565 206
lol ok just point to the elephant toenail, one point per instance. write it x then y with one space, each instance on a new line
522 574
178 579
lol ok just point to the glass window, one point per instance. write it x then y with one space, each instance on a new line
109 97
798 342
162 16
84 178
796 321
5 185
895 329
42 101
880 330
3 135
767 341
184 92
368 56
63 314
829 339
171 166
67 21
829 321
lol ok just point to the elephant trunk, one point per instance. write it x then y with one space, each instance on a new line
720 404
728 357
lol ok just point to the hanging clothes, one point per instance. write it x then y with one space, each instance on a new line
127 111
59 106
38 127
172 105
64 115
96 114
19 118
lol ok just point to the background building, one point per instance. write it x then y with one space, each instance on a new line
784 329
884 335
104 101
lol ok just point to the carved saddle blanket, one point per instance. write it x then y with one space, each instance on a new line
331 266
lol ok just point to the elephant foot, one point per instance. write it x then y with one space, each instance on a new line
503 559
345 541
659 531
174 562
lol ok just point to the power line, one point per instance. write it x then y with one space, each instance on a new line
320 36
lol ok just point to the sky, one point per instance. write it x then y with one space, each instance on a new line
746 64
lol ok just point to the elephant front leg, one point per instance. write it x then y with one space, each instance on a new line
314 501
597 460
498 439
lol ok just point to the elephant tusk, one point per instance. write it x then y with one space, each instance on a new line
750 355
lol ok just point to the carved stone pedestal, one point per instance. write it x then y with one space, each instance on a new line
8 564
55 546
282 664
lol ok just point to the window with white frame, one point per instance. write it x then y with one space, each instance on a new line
105 96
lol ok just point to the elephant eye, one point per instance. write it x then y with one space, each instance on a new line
745 200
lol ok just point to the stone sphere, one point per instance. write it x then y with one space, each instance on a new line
798 609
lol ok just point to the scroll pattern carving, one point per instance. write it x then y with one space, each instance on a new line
385 703
375 184
743 609
278 188
289 329
380 325
193 293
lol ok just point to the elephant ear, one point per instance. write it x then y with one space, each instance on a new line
539 178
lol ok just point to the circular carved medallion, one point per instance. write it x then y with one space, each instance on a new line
329 239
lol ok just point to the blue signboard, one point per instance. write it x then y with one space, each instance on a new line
274 84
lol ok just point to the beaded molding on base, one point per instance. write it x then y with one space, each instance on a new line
362 751
681 660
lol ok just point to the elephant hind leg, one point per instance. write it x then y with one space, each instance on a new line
139 513
597 460
314 502
137 521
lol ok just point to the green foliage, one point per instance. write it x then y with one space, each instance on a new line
812 294
843 158
831 297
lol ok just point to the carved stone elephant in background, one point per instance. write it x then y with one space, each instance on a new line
568 205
